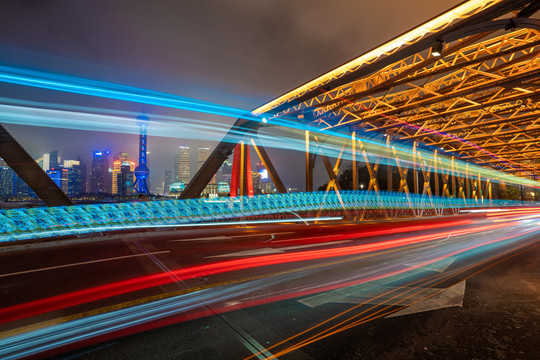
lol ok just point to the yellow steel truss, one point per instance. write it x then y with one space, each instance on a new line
479 100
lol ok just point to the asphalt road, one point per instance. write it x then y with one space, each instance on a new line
238 292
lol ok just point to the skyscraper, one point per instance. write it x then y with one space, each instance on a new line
53 160
183 164
60 178
167 181
44 162
75 184
20 188
124 179
121 160
100 172
82 166
7 176
202 155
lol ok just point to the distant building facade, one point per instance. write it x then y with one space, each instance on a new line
125 179
20 188
182 166
60 178
7 178
202 156
123 167
75 177
167 181
100 171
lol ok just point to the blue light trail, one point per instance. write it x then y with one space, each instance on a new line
89 87
31 223
77 85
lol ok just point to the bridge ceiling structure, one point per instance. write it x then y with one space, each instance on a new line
478 99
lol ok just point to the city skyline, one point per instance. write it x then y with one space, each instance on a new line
114 173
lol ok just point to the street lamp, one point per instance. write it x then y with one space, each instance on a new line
438 48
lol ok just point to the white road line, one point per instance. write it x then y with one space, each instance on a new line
263 251
230 237
204 239
82 263
313 245
257 235
307 238
269 251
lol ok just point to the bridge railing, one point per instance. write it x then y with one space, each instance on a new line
46 222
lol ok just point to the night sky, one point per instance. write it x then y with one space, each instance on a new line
239 53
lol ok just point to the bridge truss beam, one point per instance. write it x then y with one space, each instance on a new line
480 96
27 169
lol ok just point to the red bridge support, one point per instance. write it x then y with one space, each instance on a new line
241 180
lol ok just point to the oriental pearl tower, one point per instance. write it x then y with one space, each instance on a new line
142 172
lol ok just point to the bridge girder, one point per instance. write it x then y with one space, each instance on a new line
27 169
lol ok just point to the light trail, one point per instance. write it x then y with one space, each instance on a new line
57 302
431 281
77 85
40 340
126 93
23 224
389 309
135 318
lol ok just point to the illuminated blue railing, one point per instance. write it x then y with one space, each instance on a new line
20 224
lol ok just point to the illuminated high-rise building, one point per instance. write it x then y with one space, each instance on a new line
20 188
264 182
202 155
53 160
7 178
75 176
43 162
60 178
84 185
49 160
125 179
183 164
100 171
121 159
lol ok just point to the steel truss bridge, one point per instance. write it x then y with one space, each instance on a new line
463 86
461 90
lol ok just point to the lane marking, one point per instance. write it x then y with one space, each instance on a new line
268 251
310 238
211 238
82 263
312 245
263 251
248 341
231 237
